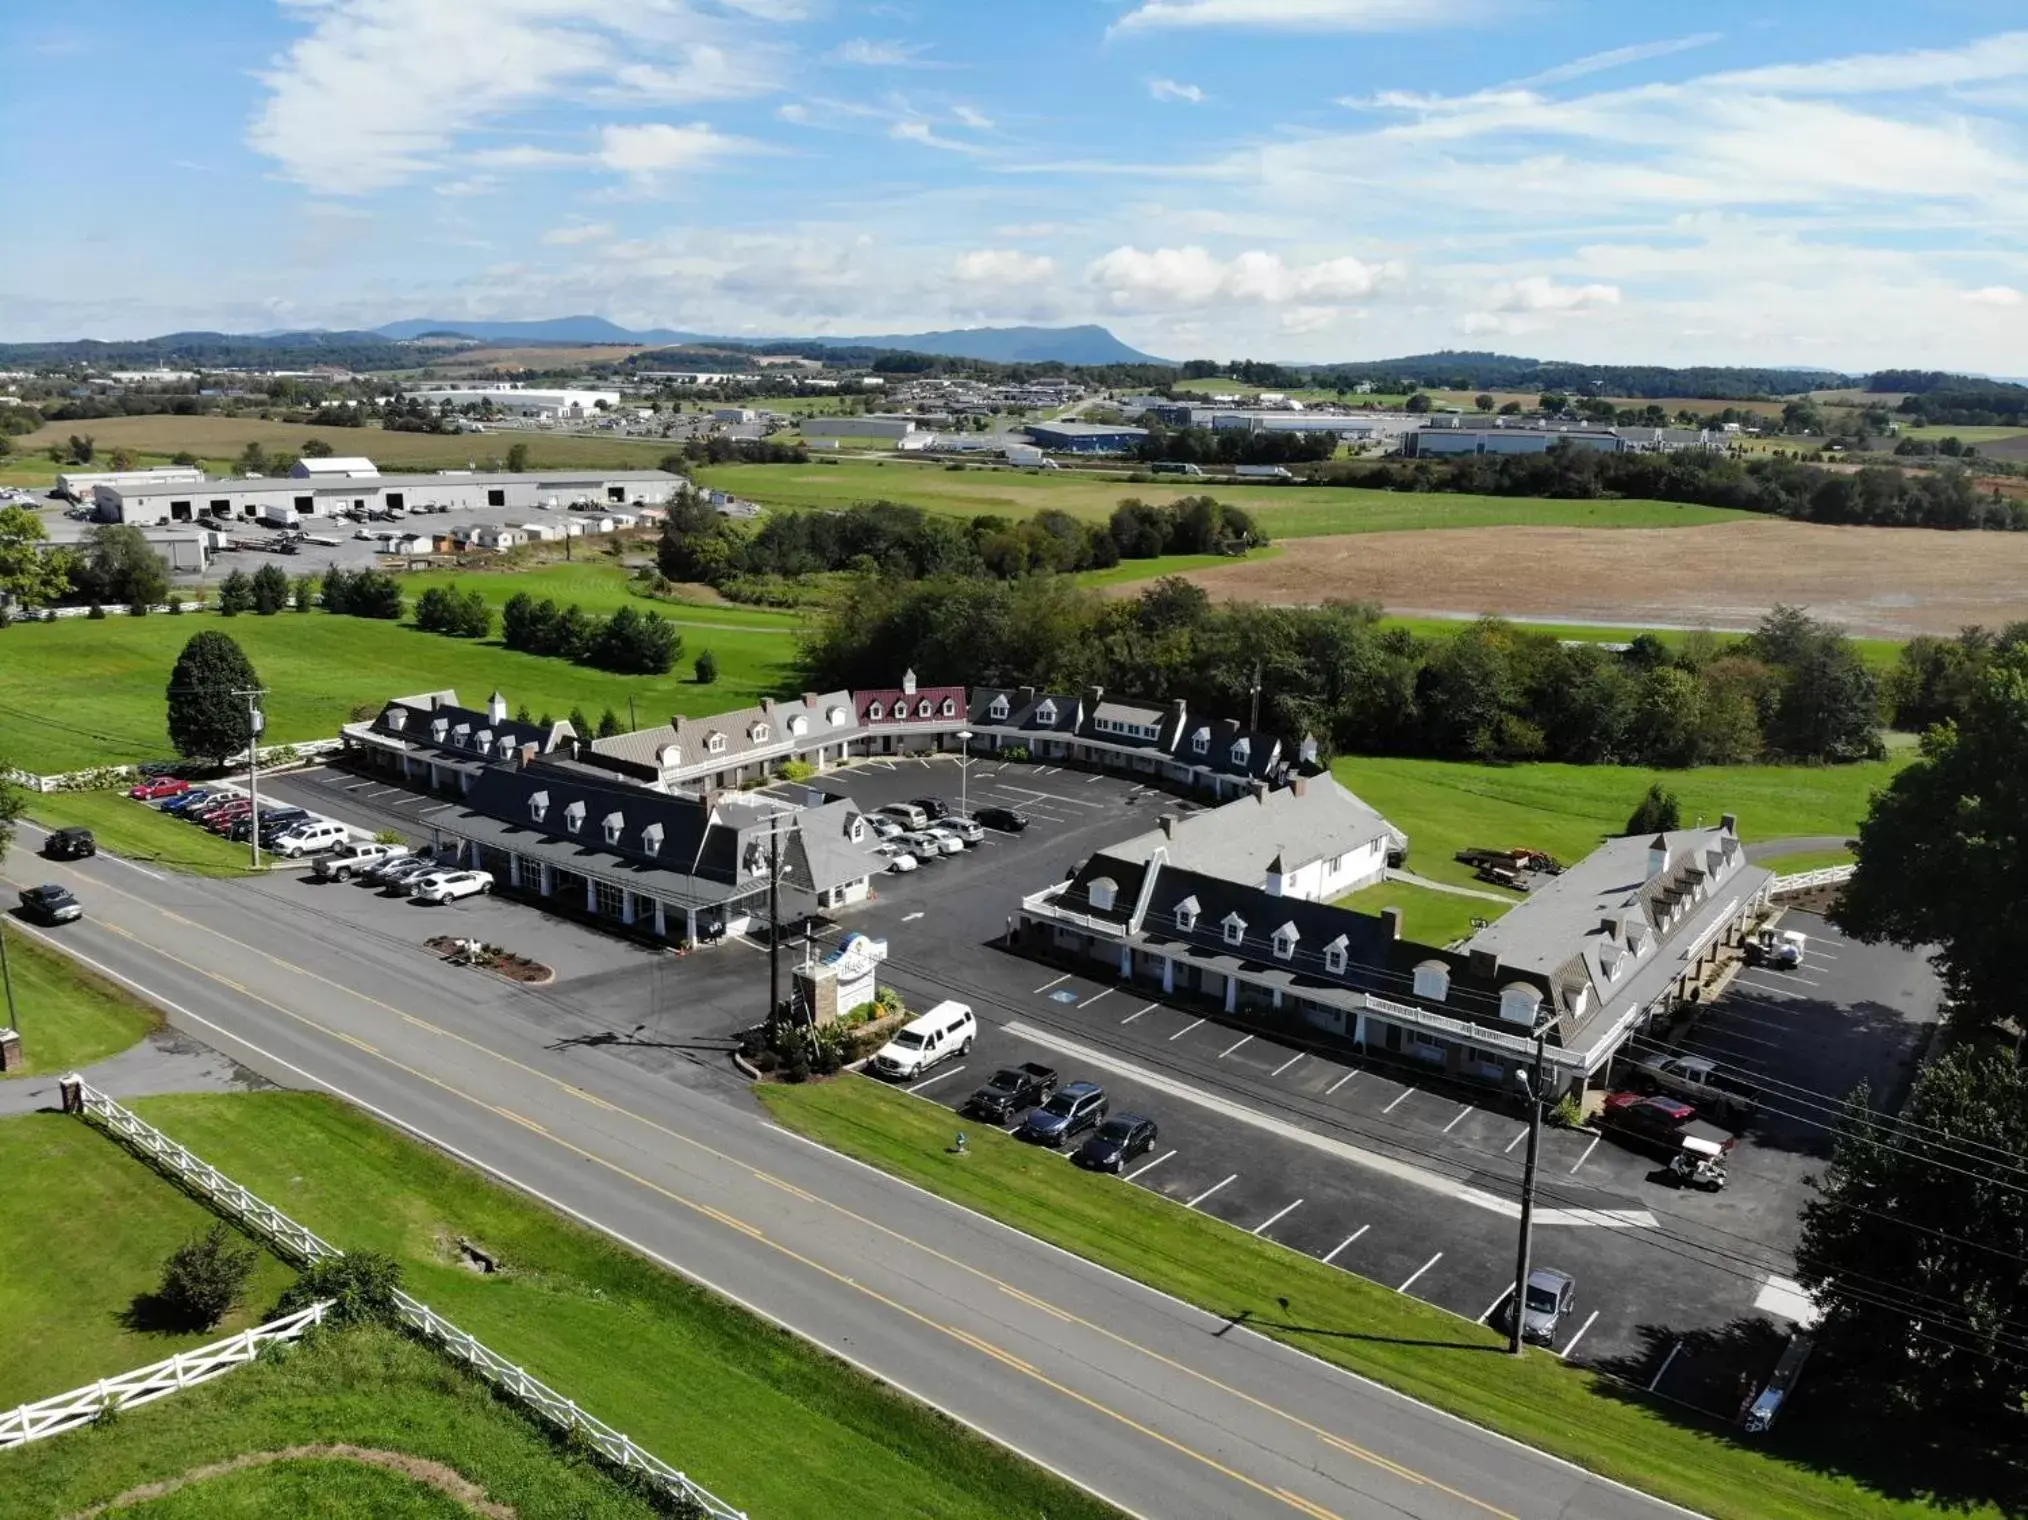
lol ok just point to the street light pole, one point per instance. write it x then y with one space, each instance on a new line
256 720
964 771
1518 1309
7 978
774 922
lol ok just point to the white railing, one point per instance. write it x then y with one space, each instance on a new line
144 1385
301 1245
1829 876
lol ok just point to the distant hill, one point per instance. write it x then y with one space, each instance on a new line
577 330
1463 370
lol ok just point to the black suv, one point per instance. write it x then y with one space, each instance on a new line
1005 819
1116 1142
70 844
936 807
1070 1113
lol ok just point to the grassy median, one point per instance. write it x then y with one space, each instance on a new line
139 831
1357 1324
68 1017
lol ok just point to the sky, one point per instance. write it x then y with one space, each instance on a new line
1841 183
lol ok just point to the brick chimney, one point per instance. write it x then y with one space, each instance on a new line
1300 785
1485 964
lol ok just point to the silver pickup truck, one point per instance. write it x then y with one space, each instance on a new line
1701 1081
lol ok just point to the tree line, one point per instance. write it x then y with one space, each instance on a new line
1230 446
1796 689
629 641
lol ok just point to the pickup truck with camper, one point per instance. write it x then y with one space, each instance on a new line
947 1030
1700 1080
1012 1091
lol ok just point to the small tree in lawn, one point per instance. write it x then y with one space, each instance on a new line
304 593
204 1278
581 723
706 668
236 594
609 724
517 458
270 590
207 720
1657 813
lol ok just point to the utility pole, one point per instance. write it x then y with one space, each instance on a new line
7 979
1518 1309
774 921
256 720
1253 723
633 720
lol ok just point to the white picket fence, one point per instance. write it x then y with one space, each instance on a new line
302 1245
1803 881
144 1385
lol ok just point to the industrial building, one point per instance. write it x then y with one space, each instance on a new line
335 467
1085 437
323 495
892 428
564 405
78 485
1448 442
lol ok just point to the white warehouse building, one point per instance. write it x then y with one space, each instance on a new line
566 404
892 428
321 496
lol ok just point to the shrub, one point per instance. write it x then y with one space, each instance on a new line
97 614
1568 1113
203 1278
175 606
765 1061
799 1069
797 770
706 668
361 1287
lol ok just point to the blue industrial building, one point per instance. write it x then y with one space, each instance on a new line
1085 437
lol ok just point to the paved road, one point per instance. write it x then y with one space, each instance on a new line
1159 1407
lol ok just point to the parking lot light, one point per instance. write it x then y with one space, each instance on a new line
1517 1308
964 770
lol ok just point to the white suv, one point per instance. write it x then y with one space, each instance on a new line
449 886
312 838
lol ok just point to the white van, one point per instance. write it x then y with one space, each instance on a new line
946 1030
908 814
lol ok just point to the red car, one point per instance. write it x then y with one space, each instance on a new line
1654 1118
158 788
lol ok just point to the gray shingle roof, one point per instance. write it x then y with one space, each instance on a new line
691 738
1240 841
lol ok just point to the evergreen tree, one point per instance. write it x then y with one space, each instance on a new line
580 723
706 668
609 724
1656 813
270 590
207 721
236 594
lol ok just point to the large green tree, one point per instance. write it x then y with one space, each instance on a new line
1943 853
121 566
1916 1246
31 572
207 702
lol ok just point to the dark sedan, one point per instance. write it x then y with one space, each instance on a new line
1005 819
1116 1142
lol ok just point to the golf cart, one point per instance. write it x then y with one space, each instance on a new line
1781 949
1699 1158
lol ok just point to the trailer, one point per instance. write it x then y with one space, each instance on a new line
278 515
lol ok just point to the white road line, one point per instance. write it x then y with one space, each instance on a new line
1234 1046
1332 1254
1340 1082
1667 1362
1102 992
1147 1166
1278 1215
1571 1345
1523 1135
1186 1029
1587 1154
1287 1064
1047 985
1209 1191
937 1078
1419 1271
1504 1293
909 918
1138 1012
1457 1118
1398 1101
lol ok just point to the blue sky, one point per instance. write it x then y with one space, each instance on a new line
1806 182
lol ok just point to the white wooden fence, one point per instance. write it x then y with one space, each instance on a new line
1803 881
144 1385
299 1244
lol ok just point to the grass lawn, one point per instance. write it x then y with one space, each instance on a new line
140 832
87 1229
1128 572
1357 1324
370 1388
1427 917
77 693
1806 860
1284 511
68 1016
1445 806
599 585
748 1410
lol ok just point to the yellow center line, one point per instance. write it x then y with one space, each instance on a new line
1125 1342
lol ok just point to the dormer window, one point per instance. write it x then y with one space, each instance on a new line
439 728
1433 981
1101 890
799 726
1046 713
759 733
651 840
462 735
614 824
874 710
924 708
1235 929
504 746
1201 741
1519 1003
397 718
997 711
573 816
538 806
836 717
1285 942
1334 956
856 829
485 740
950 707
1186 915
1241 748
715 743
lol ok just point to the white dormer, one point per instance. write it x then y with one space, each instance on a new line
1101 890
836 716
873 712
799 725
484 742
1519 1003
1334 956
573 816
1609 962
651 839
1285 942
1186 915
998 710
504 746
615 824
950 707
439 727
669 756
760 733
1234 927
397 718
856 829
1201 741
1241 748
1046 713
715 743
538 806
461 736
1433 981
924 708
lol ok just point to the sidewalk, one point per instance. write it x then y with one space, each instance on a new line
165 1062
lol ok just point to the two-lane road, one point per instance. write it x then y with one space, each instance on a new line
1159 1407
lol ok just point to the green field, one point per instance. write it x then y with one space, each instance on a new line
1445 806
138 831
1369 1328
1878 653
1428 917
303 1486
749 1411
1130 572
1805 860
68 1017
87 1229
1284 511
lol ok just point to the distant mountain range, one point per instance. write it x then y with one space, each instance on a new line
1000 345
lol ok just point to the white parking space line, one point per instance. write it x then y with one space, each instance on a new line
1505 1294
1779 989
1147 1166
1398 1101
1523 1135
1138 1012
1094 780
1287 1064
1210 1190
1340 1082
1419 1271
1278 1214
1457 1118
1331 1255
1102 992
937 1078
1234 1046
1571 1344
1047 985
1186 1029
1580 1161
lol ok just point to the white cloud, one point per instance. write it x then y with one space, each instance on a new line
573 233
2001 56
1172 89
522 156
1004 266
914 129
1539 293
703 72
866 52
651 149
1160 278
1994 295
1298 15
973 117
794 112
1615 58
1030 229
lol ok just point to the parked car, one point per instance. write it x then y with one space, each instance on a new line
935 807
449 886
183 802
884 828
1116 1142
1012 1090
70 844
349 859
965 828
907 814
311 838
1072 1111
1551 1297
1007 820
157 788
1699 1079
1647 1120
943 839
898 859
1781 949
397 876
947 1030
50 905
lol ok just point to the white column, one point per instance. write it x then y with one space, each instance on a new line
513 870
1168 975
547 877
1231 993
591 895
661 919
1126 962
626 906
